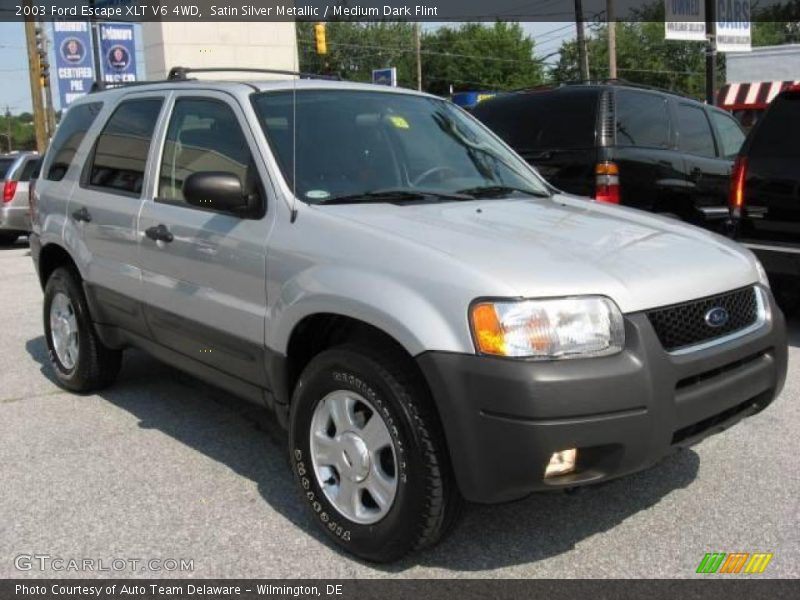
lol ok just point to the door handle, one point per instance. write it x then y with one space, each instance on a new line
159 233
82 215
696 173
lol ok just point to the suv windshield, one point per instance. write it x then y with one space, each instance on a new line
367 146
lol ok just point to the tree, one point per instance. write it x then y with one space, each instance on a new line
477 56
643 56
471 56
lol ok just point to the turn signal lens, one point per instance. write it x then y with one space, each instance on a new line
553 328
561 463
606 185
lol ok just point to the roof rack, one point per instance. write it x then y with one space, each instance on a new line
180 73
105 85
625 82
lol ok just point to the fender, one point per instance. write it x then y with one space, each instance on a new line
398 310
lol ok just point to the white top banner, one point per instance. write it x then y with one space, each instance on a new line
685 20
733 26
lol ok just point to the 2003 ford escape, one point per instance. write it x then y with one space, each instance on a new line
430 320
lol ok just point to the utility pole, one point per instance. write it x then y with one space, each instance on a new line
711 51
612 40
418 50
583 58
36 82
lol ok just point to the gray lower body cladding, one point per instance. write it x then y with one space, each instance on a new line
503 418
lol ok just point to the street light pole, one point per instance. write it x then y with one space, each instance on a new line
583 59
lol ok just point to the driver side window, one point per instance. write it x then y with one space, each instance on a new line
203 135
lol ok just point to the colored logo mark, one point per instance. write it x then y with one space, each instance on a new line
734 562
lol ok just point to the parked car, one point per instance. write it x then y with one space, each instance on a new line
624 144
765 195
428 317
16 170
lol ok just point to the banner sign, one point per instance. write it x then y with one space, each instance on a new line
118 52
733 26
74 65
685 20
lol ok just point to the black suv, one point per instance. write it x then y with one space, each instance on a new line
765 195
624 144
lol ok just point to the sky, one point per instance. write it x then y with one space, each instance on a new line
15 89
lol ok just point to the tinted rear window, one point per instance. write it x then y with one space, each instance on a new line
120 154
540 120
5 165
30 169
778 134
69 136
642 120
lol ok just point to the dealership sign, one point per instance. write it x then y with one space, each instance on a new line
685 20
385 76
733 26
117 52
74 66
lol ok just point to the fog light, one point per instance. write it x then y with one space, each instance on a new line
561 463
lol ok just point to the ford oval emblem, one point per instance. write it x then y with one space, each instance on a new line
717 317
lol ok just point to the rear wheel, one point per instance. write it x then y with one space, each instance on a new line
80 360
368 452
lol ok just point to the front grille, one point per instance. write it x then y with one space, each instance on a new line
682 325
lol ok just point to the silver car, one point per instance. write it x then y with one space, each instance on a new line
16 171
430 320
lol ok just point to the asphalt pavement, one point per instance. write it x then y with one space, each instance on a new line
163 467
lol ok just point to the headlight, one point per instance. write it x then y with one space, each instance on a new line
557 328
762 274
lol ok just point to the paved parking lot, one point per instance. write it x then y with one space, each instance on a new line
161 466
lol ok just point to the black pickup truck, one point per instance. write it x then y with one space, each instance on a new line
765 195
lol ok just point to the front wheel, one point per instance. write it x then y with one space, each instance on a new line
80 360
368 452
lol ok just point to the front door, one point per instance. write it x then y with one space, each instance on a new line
204 271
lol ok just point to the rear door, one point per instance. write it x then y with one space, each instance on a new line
204 277
771 213
104 208
707 171
553 130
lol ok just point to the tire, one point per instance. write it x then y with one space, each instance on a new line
787 295
426 502
91 366
8 238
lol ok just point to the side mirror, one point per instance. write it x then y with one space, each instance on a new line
216 190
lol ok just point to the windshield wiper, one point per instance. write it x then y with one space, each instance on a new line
395 195
498 191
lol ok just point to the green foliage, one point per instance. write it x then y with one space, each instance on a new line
23 136
477 56
470 56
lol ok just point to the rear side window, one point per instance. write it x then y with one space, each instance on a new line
642 120
28 171
69 136
694 131
121 149
203 135
779 131
541 120
731 135
5 167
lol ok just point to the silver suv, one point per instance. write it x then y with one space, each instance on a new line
16 172
429 319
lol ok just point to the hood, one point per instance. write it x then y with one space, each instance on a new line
568 246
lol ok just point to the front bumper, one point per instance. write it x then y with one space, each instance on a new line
503 418
15 218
